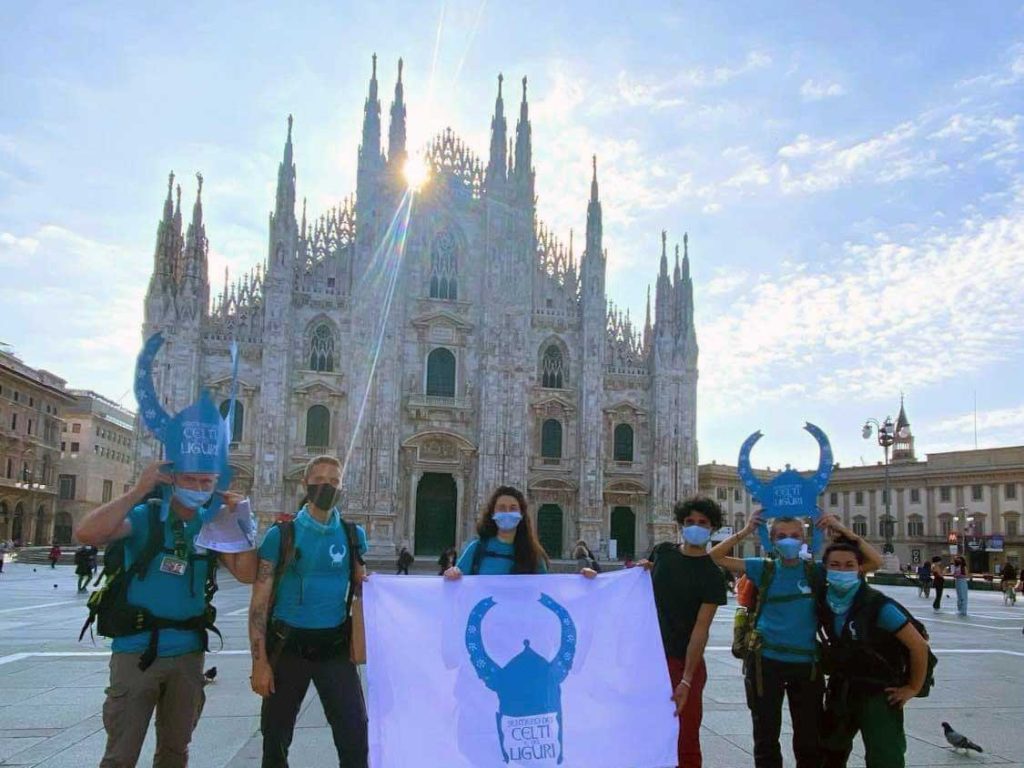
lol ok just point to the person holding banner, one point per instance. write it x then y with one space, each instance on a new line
688 588
784 656
506 542
300 624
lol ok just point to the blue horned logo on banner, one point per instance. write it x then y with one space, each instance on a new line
196 439
529 716
789 494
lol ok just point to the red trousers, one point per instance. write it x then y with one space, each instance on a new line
692 714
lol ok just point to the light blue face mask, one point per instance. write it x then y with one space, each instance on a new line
788 548
697 535
842 589
507 521
842 582
191 499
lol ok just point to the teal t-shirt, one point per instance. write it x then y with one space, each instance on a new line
498 560
791 621
166 595
890 618
313 590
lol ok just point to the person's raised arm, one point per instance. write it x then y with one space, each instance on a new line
720 553
107 522
872 557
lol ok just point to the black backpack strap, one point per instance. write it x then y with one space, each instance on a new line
355 558
478 555
285 555
154 541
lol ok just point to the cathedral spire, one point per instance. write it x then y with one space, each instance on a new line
524 151
168 203
686 256
302 228
496 165
168 235
369 149
594 225
396 131
647 319
664 255
284 205
676 273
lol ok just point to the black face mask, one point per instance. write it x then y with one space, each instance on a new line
322 495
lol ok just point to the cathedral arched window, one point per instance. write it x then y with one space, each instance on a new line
444 266
551 439
552 368
441 373
318 427
623 448
238 420
321 349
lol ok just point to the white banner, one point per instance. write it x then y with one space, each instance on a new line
538 671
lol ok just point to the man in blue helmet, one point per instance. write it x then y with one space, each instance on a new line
155 602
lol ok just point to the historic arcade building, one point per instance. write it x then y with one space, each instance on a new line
501 361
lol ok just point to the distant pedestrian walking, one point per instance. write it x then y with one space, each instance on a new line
924 580
83 567
961 577
938 582
1008 584
447 559
405 559
54 555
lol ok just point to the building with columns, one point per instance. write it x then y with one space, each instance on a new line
969 498
97 457
32 402
501 360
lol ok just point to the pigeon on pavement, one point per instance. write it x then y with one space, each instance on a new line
958 740
210 675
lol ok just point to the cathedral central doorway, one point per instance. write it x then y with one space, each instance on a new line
624 532
549 529
436 499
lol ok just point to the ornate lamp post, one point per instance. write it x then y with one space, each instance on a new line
886 433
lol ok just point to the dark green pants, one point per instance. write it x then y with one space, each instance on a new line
880 726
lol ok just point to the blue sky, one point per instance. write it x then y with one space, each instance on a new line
849 174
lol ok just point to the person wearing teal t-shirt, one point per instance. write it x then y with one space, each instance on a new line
172 589
304 600
786 664
877 662
506 542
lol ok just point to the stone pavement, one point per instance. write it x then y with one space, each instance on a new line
51 687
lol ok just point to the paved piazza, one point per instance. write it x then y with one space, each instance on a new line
51 687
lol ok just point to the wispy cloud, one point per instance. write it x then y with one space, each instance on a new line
919 310
672 91
816 90
100 289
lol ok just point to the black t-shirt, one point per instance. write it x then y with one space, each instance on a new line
681 585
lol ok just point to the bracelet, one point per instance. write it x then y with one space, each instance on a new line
685 682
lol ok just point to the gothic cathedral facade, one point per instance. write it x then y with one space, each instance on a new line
496 357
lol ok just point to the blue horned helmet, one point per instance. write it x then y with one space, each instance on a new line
195 439
789 494
529 684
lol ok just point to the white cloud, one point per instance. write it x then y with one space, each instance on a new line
918 311
671 91
83 321
816 90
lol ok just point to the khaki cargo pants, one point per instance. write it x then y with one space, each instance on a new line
174 687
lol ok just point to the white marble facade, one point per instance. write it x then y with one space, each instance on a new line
501 362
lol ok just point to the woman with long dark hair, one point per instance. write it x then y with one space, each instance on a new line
506 541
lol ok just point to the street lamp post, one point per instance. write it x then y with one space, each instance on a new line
961 520
886 432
